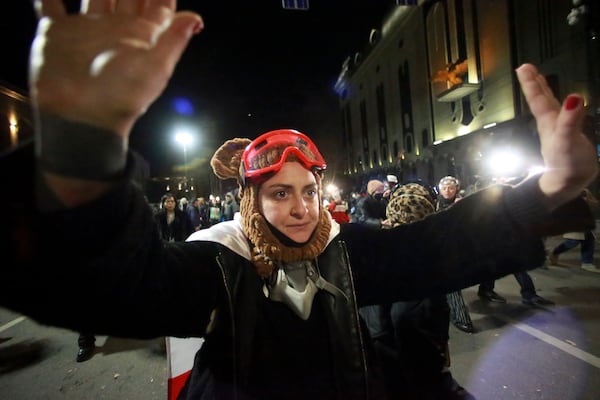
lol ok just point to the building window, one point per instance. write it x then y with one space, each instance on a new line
409 144
425 138
396 150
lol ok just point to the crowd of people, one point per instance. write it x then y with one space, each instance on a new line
278 293
177 219
199 212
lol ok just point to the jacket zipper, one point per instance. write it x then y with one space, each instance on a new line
356 318
233 330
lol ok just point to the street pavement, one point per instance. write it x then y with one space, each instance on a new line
518 352
38 363
523 352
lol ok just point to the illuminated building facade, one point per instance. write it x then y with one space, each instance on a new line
433 92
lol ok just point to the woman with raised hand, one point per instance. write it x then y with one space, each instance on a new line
275 292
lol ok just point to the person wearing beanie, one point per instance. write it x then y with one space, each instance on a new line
419 368
391 183
448 194
370 209
274 293
448 189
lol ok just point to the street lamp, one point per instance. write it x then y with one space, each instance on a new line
184 137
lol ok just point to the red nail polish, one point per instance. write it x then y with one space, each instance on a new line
572 102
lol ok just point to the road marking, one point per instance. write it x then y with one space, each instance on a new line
551 340
12 323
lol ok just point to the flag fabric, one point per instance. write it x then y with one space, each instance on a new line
180 360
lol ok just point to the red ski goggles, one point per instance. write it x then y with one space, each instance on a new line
267 153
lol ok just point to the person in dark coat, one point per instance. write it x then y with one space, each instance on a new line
174 224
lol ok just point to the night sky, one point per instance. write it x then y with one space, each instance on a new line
255 67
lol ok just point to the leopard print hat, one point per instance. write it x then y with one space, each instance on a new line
409 203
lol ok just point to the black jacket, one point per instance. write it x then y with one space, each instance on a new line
178 230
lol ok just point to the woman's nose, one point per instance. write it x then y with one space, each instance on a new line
299 208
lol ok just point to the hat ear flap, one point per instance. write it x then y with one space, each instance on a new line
227 159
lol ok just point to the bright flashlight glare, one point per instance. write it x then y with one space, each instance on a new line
536 169
504 163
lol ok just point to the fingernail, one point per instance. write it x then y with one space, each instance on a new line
572 102
198 26
524 72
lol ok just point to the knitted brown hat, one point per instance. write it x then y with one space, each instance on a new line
409 203
267 250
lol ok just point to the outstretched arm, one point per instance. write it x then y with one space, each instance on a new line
103 67
569 156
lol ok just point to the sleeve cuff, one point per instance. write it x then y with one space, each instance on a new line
79 150
524 204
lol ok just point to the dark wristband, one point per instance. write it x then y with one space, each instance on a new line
79 150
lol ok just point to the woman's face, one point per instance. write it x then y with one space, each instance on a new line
169 204
448 191
289 201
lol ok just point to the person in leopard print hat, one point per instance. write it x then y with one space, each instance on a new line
409 203
420 327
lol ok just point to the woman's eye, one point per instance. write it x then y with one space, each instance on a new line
280 194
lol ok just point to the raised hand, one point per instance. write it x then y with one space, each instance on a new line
107 64
570 157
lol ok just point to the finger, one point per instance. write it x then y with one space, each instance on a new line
97 6
130 6
159 14
153 66
570 118
49 8
542 103
534 84
159 11
544 86
170 4
173 41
